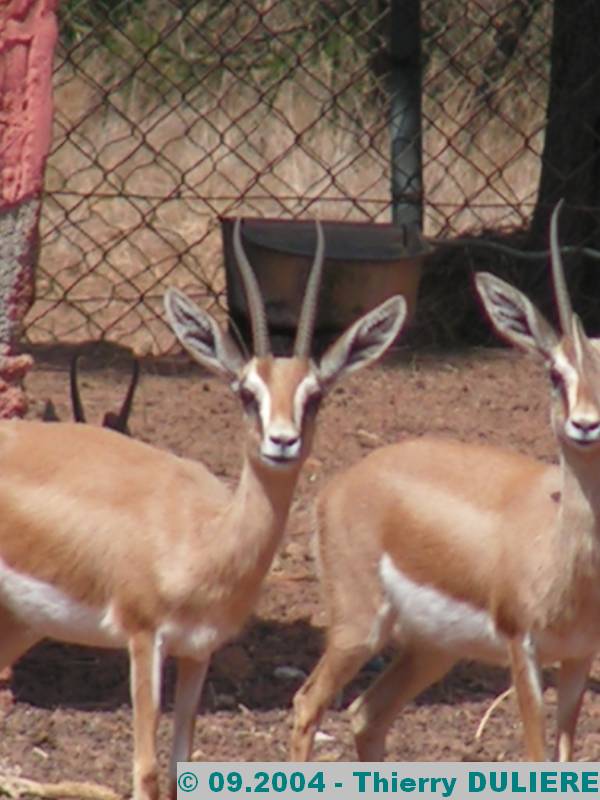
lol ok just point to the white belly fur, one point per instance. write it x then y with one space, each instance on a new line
52 613
430 615
193 641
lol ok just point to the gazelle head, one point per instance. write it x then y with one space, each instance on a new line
572 359
280 396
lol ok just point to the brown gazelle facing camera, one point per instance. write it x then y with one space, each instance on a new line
110 542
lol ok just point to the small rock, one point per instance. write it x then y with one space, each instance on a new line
296 550
225 702
321 736
289 674
367 438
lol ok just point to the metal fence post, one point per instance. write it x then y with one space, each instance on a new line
405 94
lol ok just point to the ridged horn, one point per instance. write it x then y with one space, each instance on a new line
256 308
561 293
76 404
122 417
308 312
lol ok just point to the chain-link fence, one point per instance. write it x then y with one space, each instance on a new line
172 113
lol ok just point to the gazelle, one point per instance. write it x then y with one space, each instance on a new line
115 420
463 551
110 542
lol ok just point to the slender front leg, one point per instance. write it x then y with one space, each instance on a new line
145 658
572 680
15 639
414 669
528 685
335 668
190 680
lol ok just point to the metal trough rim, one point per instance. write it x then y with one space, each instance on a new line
345 241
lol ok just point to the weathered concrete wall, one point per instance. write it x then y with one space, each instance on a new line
28 33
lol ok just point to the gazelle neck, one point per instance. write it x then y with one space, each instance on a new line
257 514
265 493
580 496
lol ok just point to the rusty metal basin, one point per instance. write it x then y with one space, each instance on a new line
365 263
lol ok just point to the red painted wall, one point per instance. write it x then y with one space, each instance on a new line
28 33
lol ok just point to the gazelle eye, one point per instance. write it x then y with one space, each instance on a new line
313 401
556 379
248 399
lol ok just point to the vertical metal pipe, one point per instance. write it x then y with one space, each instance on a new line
405 122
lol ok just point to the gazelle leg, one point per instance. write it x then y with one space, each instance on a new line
145 657
572 680
190 680
412 671
346 651
335 668
15 639
527 681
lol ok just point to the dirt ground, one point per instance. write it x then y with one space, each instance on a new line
71 718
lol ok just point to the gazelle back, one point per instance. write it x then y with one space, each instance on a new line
108 541
462 551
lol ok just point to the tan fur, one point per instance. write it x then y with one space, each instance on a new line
75 527
165 544
105 540
468 539
290 373
505 549
413 481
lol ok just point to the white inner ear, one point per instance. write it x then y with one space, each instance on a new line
201 335
515 317
198 335
507 309
365 341
510 317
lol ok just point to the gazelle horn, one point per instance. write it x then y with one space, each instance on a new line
256 308
115 421
563 301
76 404
308 312
119 421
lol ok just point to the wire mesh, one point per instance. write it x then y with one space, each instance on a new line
171 113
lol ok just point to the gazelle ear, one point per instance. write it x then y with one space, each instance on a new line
515 317
202 337
364 342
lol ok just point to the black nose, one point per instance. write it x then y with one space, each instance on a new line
285 439
586 425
